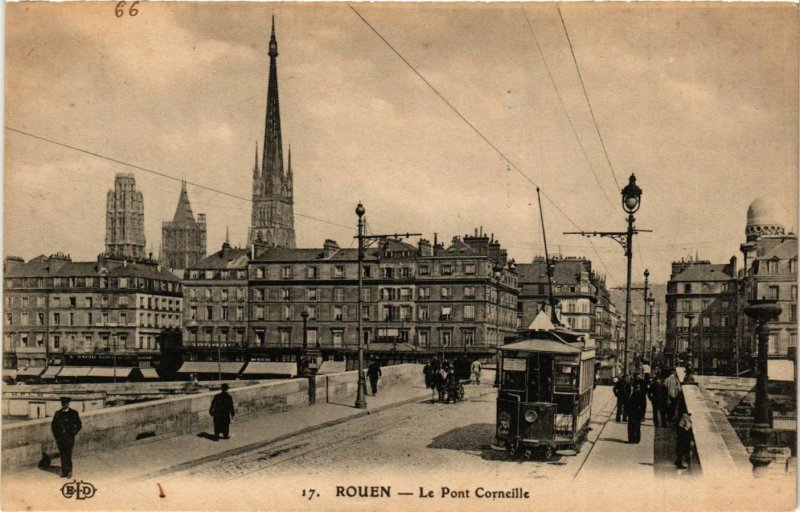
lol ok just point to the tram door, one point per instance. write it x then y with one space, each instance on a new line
540 378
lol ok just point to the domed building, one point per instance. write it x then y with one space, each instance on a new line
770 271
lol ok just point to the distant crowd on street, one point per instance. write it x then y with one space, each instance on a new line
663 389
446 378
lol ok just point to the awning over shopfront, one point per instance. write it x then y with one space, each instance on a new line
74 371
149 373
51 372
110 372
332 367
272 369
30 371
226 367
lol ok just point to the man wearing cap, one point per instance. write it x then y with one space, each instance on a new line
66 424
222 411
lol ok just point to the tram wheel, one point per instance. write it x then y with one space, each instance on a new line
549 452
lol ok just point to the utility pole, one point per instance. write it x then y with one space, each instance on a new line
361 395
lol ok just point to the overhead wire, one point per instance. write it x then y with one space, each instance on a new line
471 125
159 173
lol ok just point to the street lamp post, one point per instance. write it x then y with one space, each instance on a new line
304 362
689 377
762 311
631 201
361 399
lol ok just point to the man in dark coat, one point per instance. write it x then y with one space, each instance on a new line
637 403
658 401
66 424
622 391
683 440
222 411
374 373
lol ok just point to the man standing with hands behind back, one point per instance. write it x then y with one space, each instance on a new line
66 424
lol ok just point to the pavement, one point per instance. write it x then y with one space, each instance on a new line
152 457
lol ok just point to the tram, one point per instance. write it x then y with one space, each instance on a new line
544 399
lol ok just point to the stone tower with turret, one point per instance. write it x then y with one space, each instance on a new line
272 221
125 219
183 240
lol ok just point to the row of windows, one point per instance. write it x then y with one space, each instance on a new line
422 337
217 274
708 287
86 341
93 282
772 266
217 294
384 294
386 272
223 313
56 301
93 318
340 313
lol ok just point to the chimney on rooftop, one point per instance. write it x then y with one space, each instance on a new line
329 248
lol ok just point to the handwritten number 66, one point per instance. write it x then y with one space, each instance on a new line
119 11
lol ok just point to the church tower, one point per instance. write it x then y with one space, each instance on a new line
183 240
125 219
272 221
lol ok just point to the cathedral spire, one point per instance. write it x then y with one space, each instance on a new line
272 152
183 213
255 163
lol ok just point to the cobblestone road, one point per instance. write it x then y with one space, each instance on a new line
416 438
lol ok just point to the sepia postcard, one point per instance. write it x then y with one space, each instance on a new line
347 256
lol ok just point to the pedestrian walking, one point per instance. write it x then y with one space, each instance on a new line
427 372
683 440
657 395
452 385
439 383
637 403
621 390
673 388
65 426
222 411
475 369
374 373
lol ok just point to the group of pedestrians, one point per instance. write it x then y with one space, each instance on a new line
442 379
666 401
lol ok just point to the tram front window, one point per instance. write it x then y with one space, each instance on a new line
540 380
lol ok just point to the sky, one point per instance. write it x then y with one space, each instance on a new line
700 101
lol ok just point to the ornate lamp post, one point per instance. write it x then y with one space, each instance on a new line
631 201
689 377
361 400
762 311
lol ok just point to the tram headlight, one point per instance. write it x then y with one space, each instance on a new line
531 416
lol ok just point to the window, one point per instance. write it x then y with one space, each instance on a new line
338 294
312 312
24 302
24 319
365 294
726 304
193 313
446 338
469 268
312 272
446 311
405 272
772 266
239 312
286 312
687 305
56 341
773 293
445 292
72 319
447 270
405 312
286 272
206 294
259 312
366 271
312 337
339 271
73 301
424 313
337 338
469 337
571 307
365 312
388 273
104 318
423 338
405 293
283 336
286 294
793 266
424 293
209 313
338 313
706 287
39 318
793 312
56 318
706 321
9 319
687 288
224 294
469 312
725 321
40 301
224 312
424 270
794 291
469 292
311 295
123 318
